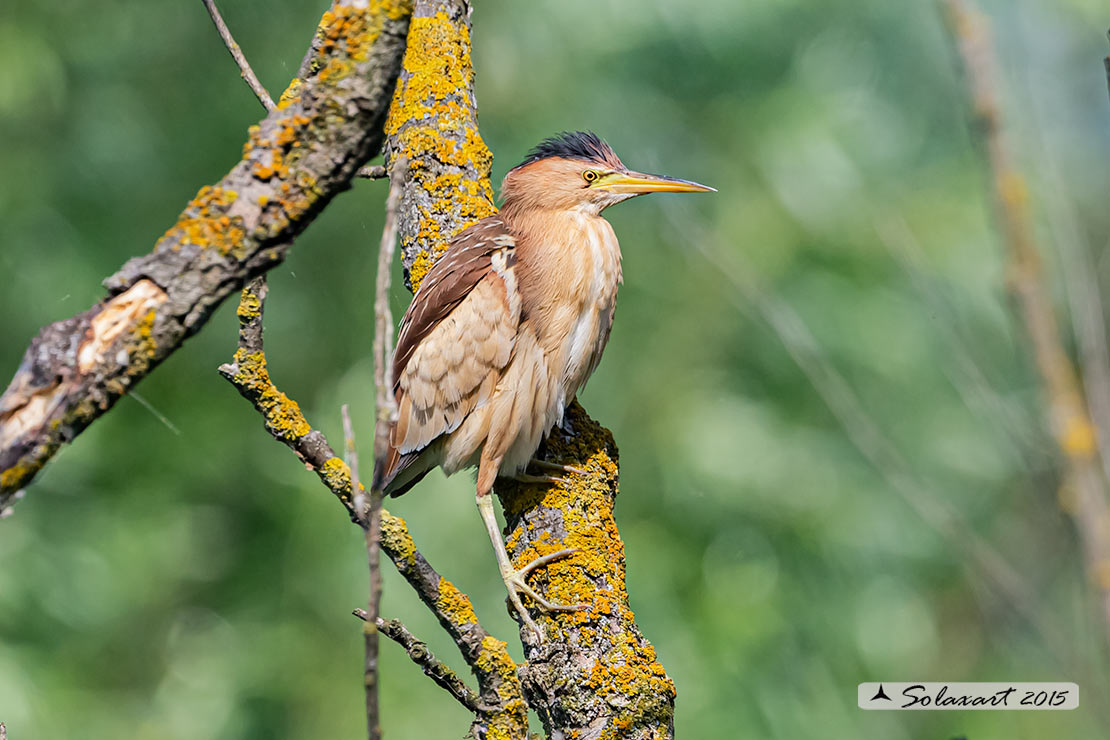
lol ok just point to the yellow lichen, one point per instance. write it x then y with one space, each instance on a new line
396 539
436 71
12 478
204 222
283 415
628 674
454 604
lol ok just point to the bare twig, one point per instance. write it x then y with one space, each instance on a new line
373 172
383 318
1068 418
237 54
368 507
1106 63
432 666
371 532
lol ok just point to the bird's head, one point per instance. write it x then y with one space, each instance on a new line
580 172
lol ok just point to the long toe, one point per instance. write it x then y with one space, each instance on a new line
516 584
557 467
525 617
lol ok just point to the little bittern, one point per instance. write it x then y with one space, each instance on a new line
509 324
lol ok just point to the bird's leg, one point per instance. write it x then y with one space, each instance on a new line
514 577
556 467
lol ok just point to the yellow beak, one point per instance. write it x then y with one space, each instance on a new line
638 182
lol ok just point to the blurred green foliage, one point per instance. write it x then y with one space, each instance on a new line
188 579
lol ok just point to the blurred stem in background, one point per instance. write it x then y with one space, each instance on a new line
1070 421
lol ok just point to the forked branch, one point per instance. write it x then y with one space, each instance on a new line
327 124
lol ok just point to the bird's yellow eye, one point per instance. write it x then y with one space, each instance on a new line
591 176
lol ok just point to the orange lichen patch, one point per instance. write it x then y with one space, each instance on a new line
250 306
205 223
282 414
120 314
289 132
141 349
275 168
349 31
455 604
336 69
336 475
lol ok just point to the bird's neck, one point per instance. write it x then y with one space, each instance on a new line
568 260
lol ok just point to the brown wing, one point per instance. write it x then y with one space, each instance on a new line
454 341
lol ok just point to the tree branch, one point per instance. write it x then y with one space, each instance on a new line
595 675
1068 418
371 517
237 54
433 668
487 656
433 125
326 125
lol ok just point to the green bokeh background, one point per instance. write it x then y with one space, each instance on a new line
190 580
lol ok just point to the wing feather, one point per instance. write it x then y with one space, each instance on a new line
454 342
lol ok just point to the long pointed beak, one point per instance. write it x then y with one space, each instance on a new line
639 182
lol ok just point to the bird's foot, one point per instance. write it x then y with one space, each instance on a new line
526 478
556 467
516 585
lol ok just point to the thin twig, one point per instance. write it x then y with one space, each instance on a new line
237 54
432 666
373 172
371 532
383 318
1067 415
1106 63
370 511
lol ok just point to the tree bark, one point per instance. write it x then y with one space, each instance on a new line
328 123
596 676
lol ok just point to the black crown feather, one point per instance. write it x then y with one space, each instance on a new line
572 145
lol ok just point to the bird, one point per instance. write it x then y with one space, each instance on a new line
506 328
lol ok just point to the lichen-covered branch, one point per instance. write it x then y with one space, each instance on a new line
433 667
504 714
326 126
1068 418
433 125
600 678
595 676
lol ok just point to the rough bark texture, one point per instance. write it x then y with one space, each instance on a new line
433 124
595 676
326 126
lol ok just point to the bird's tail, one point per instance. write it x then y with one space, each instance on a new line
396 473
